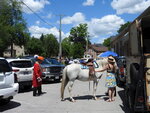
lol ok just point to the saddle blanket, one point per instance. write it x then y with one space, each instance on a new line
84 66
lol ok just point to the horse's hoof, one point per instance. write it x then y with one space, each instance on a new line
95 98
72 100
62 99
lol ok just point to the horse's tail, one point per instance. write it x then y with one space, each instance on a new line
64 82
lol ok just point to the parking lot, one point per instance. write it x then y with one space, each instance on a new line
50 102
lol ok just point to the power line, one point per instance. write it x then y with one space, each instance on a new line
36 14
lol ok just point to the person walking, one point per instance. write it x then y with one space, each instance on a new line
37 77
110 77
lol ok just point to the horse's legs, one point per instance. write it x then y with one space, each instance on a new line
70 89
95 83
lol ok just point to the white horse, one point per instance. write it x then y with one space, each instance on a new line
74 72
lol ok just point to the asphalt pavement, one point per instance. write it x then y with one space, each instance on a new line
50 102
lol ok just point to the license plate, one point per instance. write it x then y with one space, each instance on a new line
57 77
26 72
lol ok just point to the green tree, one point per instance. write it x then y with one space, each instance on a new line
77 50
107 42
50 45
66 47
42 38
4 38
123 26
78 36
34 46
11 19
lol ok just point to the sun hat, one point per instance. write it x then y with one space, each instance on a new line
40 58
35 56
111 59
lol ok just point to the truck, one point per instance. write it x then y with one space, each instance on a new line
134 44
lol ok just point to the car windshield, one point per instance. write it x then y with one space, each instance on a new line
4 66
45 61
21 64
53 61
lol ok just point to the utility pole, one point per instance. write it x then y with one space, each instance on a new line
60 38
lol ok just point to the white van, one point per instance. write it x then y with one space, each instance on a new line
8 82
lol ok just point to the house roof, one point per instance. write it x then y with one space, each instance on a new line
98 48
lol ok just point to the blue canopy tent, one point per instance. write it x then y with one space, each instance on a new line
108 53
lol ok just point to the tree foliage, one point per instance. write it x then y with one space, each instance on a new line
77 50
34 46
12 23
66 47
123 26
79 36
107 42
50 45
4 39
46 46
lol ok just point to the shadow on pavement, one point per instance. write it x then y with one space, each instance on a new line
124 104
10 105
23 90
51 82
86 97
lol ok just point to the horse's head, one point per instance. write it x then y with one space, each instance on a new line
102 62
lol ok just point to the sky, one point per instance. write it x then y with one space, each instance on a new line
103 17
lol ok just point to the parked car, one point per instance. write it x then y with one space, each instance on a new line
51 69
8 82
121 73
24 70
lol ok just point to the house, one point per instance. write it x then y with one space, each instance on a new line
17 51
95 49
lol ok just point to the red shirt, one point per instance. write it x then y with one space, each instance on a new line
36 73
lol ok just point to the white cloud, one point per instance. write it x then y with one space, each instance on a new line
97 27
107 25
36 31
37 22
49 16
130 6
88 3
75 19
35 5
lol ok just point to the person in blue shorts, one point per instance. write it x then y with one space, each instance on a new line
110 77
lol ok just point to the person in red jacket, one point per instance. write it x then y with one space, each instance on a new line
37 77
